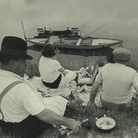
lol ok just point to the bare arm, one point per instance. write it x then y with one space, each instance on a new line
94 90
62 70
136 88
135 104
50 117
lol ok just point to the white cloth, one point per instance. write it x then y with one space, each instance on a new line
70 76
117 80
37 82
85 97
21 100
56 103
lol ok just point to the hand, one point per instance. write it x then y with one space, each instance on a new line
90 103
75 126
65 72
134 102
92 98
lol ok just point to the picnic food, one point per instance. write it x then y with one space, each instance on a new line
105 125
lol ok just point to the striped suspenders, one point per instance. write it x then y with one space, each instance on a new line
5 91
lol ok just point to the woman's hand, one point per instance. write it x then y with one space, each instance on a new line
64 73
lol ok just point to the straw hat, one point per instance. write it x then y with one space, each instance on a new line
14 46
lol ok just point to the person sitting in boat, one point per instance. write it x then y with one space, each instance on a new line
119 82
52 73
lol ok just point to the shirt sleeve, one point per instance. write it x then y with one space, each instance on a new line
57 65
135 79
29 100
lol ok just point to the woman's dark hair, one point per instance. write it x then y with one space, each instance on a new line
48 50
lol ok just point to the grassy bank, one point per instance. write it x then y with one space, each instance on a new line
126 123
73 59
126 118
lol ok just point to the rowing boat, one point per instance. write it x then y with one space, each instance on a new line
69 39
75 43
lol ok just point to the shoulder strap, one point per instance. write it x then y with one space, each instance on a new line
6 90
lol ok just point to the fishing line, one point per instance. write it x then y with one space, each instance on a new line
95 30
89 21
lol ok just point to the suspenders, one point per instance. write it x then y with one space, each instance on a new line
5 91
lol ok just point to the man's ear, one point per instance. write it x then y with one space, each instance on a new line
13 63
114 59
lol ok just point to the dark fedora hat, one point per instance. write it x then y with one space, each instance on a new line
14 46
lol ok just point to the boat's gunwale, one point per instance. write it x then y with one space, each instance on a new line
72 46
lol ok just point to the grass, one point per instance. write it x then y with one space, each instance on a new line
126 118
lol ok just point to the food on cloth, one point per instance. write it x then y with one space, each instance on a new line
84 81
79 92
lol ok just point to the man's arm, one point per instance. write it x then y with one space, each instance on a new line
50 117
136 88
135 103
94 90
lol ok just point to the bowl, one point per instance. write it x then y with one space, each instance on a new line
105 124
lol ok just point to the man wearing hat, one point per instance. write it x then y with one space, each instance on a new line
118 80
23 112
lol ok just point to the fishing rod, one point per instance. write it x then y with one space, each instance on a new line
95 30
88 21
24 31
77 23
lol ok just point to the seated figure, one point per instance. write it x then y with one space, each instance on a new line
52 73
119 82
24 112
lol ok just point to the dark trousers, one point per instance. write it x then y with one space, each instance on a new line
28 128
54 84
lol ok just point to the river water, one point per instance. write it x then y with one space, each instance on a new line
105 19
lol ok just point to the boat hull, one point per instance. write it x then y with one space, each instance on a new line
76 43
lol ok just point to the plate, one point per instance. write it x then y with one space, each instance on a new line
105 123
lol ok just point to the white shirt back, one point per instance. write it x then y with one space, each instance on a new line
48 69
117 80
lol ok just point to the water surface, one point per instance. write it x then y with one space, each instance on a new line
101 18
